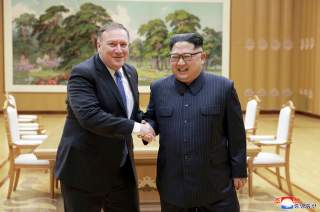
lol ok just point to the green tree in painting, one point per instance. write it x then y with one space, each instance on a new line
49 30
182 22
24 44
80 42
156 33
137 51
212 46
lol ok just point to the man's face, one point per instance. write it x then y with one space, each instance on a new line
186 61
113 48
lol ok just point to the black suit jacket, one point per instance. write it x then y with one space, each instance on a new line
96 127
202 139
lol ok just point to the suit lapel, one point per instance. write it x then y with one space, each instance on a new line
101 68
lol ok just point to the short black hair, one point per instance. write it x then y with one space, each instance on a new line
111 26
195 38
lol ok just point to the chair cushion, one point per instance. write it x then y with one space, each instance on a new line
29 125
33 117
28 142
275 142
29 159
29 128
34 137
28 132
261 137
28 116
268 158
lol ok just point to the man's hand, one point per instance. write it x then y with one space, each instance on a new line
239 182
146 132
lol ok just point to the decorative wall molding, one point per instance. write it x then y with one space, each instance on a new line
262 44
274 92
312 42
287 44
287 92
147 184
248 92
275 44
262 92
249 44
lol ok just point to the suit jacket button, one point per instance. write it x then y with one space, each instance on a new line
187 156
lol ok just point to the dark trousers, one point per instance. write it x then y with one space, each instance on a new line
229 204
122 198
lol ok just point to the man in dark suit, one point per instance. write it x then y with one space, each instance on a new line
202 153
95 157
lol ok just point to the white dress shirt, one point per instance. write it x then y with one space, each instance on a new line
129 97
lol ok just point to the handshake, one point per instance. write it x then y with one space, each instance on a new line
146 132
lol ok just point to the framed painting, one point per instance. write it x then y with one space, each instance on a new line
45 39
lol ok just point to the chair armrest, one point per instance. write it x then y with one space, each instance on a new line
271 142
33 117
28 132
34 137
29 128
29 125
27 144
26 120
254 138
32 131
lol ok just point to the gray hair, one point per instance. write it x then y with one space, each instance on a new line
111 26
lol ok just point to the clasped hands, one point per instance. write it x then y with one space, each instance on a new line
146 132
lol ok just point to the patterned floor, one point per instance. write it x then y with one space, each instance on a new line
32 195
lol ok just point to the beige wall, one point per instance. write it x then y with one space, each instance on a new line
265 56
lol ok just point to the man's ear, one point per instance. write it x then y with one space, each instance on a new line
98 43
203 58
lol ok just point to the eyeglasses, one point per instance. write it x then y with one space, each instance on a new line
186 57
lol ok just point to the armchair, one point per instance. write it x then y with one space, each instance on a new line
281 141
18 158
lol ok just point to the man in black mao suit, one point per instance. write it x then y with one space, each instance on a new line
202 153
95 156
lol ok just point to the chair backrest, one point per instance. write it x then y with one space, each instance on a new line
252 112
10 98
285 122
11 122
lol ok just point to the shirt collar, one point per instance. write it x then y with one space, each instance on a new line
112 72
194 87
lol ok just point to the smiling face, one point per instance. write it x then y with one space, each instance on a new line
187 70
113 48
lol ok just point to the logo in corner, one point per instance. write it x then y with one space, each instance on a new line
291 202
287 202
